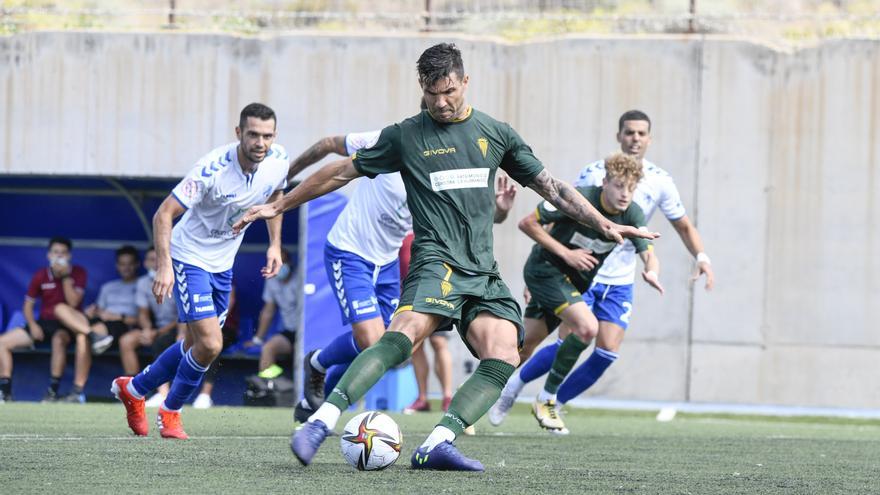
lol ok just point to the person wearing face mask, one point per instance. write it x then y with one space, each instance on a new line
61 283
158 326
279 295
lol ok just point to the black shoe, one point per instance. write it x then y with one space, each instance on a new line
74 398
313 383
302 412
51 396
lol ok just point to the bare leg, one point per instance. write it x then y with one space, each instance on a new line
442 363
60 341
420 366
83 363
128 346
17 337
275 347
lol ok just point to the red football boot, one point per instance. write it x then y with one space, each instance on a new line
134 407
170 425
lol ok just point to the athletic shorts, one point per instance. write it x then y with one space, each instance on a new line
611 303
363 290
116 328
436 288
289 335
551 291
200 294
49 328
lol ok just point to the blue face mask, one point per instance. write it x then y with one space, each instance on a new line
284 271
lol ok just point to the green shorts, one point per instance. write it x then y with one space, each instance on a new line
551 291
437 288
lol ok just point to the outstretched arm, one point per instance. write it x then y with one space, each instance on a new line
329 178
694 243
565 197
651 275
315 153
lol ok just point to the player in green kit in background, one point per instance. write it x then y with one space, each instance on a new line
447 157
556 277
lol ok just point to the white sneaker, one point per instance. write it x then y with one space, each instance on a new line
500 409
203 401
155 401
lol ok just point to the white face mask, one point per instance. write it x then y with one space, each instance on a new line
60 261
151 273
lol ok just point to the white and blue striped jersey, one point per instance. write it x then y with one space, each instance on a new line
216 194
655 190
377 218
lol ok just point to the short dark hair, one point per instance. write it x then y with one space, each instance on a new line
257 110
61 240
127 249
438 62
633 115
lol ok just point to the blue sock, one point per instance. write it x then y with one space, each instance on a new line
188 378
160 371
342 350
333 375
585 375
540 363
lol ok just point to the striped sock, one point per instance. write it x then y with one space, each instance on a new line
186 381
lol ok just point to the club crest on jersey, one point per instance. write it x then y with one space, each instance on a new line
483 143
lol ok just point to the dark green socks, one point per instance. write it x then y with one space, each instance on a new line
392 349
567 354
477 394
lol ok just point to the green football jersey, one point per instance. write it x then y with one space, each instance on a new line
576 235
448 170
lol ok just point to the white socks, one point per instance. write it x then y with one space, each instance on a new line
328 414
544 396
439 435
514 385
314 362
133 391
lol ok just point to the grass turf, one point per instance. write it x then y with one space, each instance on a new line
66 448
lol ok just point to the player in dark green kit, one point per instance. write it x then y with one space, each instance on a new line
556 275
448 156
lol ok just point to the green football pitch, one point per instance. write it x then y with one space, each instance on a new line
87 449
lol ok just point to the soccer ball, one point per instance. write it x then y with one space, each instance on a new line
371 441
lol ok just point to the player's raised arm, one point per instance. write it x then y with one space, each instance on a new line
327 179
315 153
565 197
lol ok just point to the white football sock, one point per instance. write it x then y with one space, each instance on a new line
133 391
439 435
328 414
514 385
544 396
314 362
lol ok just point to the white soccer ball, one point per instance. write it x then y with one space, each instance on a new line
371 441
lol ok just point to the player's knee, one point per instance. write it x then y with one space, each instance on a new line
587 331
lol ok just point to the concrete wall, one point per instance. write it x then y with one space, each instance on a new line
775 155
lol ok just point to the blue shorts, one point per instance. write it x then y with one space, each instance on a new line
364 290
200 294
611 303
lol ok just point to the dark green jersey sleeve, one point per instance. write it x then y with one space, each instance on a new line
547 213
519 162
635 217
383 157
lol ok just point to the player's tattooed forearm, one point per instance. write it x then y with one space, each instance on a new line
565 197
316 152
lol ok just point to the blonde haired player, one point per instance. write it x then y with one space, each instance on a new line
557 273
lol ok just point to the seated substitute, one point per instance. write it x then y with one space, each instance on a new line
113 314
279 295
59 284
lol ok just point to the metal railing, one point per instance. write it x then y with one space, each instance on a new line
512 19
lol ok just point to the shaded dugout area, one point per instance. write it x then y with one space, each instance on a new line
101 214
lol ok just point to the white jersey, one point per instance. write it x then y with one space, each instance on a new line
376 219
656 189
216 193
